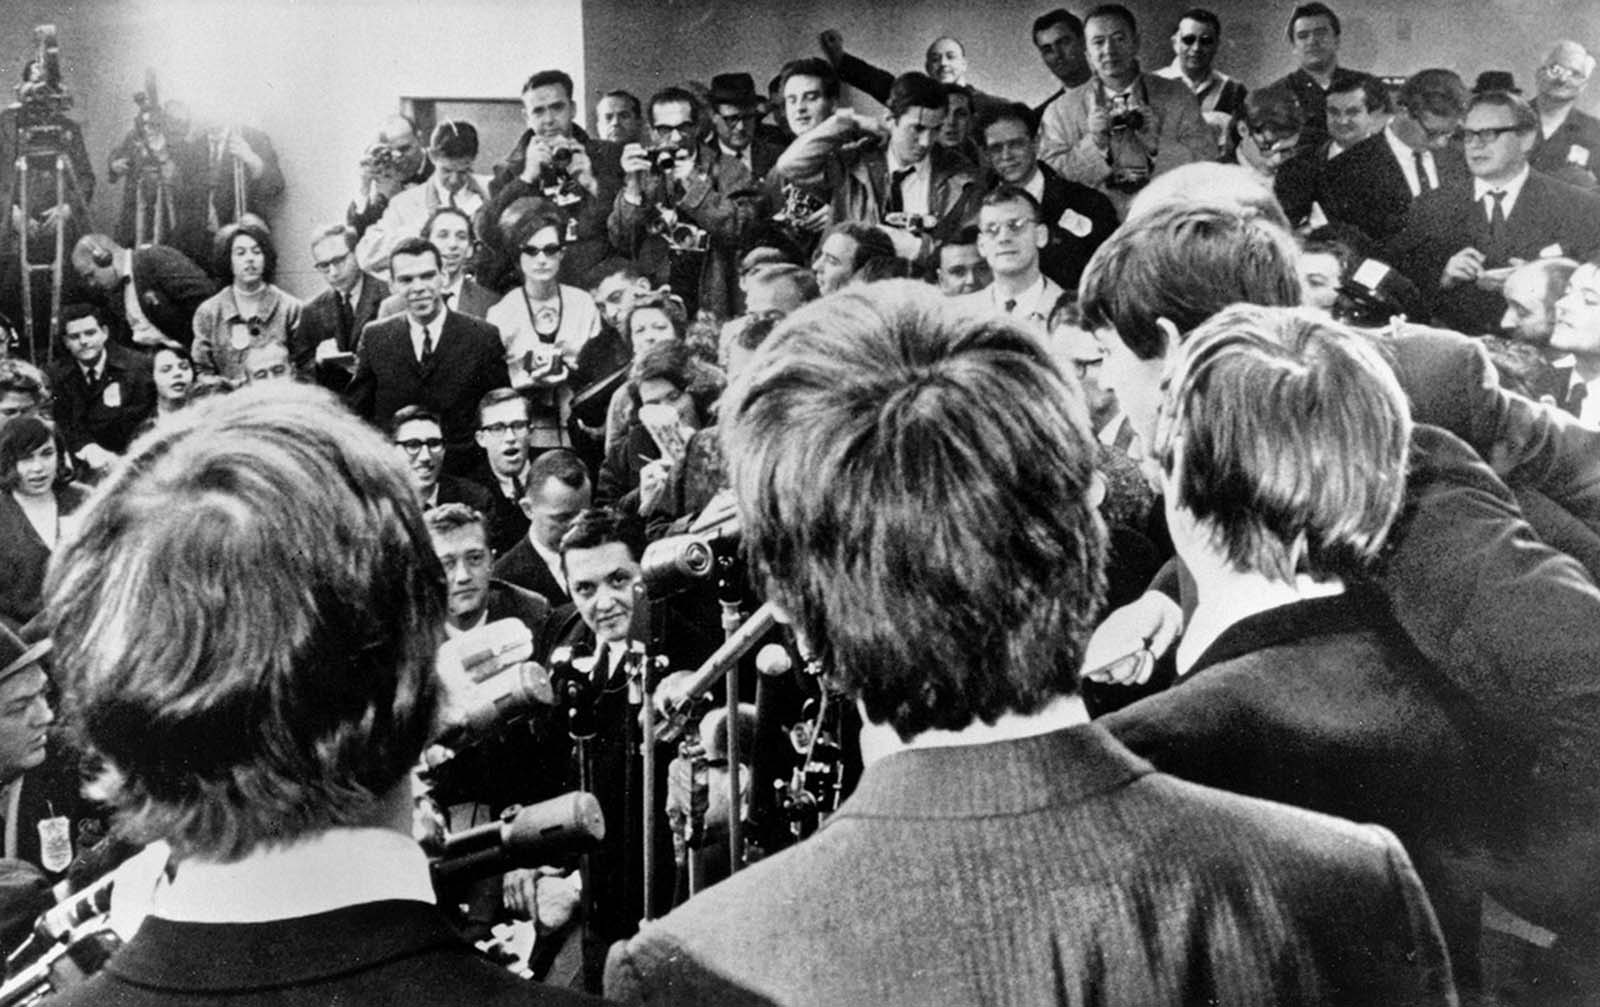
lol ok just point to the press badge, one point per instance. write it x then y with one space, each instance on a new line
1075 223
1577 155
55 843
112 396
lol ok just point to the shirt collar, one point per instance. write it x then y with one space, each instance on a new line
326 871
1212 79
451 632
1512 189
268 304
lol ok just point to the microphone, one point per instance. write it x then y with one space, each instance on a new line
773 660
524 837
57 922
715 666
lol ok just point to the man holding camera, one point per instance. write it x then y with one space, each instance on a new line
1122 127
921 192
688 209
453 150
555 161
394 164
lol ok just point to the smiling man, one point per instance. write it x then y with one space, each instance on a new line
503 435
429 356
1195 42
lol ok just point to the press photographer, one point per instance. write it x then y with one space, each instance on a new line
1126 126
553 160
690 204
396 162
146 158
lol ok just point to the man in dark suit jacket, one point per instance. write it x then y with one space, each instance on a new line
1461 238
1373 185
431 356
557 490
302 883
1314 33
152 292
1077 217
103 392
330 324
991 817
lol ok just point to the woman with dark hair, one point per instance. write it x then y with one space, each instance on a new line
544 324
37 497
655 318
637 468
250 311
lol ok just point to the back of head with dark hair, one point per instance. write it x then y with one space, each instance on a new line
915 90
1273 108
913 490
1184 264
669 361
246 624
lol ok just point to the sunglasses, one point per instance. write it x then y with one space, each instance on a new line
548 251
1197 40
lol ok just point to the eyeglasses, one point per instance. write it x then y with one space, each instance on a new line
740 117
333 263
1562 73
1489 134
548 251
418 444
1016 225
501 429
1201 40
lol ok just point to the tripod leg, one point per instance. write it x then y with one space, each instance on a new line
24 262
64 180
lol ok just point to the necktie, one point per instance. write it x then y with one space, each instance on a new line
1011 306
1497 214
347 320
1423 185
1575 397
94 376
427 345
516 487
897 199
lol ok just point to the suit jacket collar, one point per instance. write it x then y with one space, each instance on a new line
982 781
223 957
1357 606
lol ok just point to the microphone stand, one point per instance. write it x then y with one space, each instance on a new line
728 596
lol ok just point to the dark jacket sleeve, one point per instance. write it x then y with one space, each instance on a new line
866 78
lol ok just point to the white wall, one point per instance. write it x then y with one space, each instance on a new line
316 75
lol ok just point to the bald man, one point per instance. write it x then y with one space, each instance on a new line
945 61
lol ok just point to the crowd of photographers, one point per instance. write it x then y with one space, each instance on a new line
547 347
